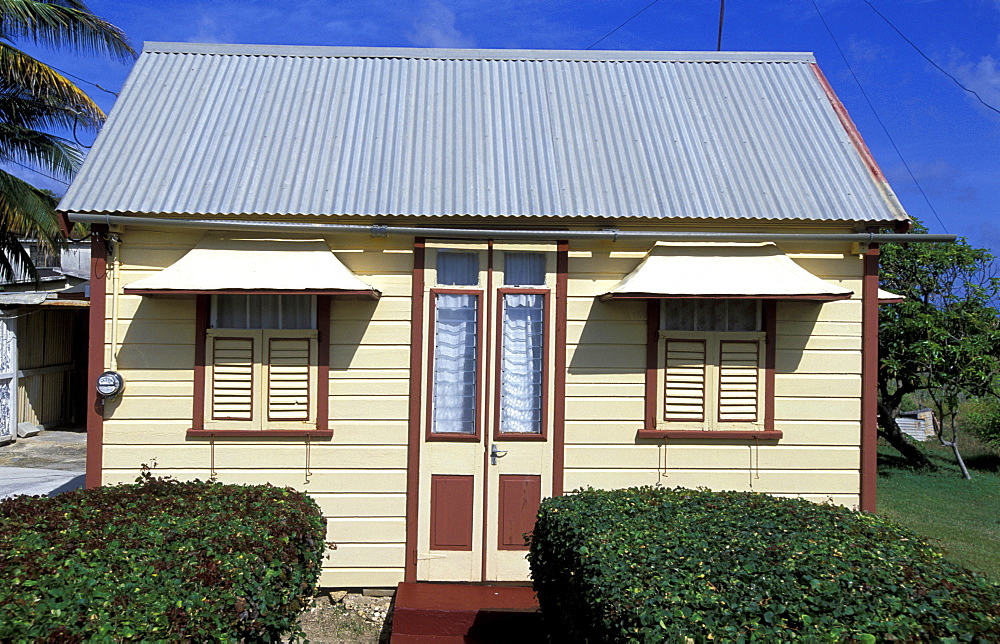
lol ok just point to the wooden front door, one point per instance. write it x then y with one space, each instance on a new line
486 448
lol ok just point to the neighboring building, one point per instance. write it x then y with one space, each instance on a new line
918 424
430 287
43 342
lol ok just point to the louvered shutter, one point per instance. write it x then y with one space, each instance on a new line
232 383
684 380
738 381
288 379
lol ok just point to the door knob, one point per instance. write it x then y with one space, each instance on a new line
496 453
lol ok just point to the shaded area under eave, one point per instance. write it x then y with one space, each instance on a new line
245 264
722 270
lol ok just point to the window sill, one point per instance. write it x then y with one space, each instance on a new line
695 434
455 437
260 433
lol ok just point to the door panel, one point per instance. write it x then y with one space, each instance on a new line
451 511
520 496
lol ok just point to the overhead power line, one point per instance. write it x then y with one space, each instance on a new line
84 80
928 58
634 16
722 17
44 174
877 117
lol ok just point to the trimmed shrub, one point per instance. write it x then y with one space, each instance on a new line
158 560
651 564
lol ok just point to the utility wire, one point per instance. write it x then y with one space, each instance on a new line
28 167
877 117
722 17
928 59
634 16
84 80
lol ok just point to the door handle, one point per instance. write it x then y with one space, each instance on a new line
496 453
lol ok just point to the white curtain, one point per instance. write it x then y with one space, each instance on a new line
263 311
521 364
455 363
524 269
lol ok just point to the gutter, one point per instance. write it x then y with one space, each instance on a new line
378 230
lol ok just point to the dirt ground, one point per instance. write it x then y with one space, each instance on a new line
347 618
54 449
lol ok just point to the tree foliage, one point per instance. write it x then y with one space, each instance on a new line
944 338
36 100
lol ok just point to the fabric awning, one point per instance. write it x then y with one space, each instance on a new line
722 270
885 297
239 264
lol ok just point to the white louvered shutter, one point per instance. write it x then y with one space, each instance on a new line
738 381
684 380
232 382
288 380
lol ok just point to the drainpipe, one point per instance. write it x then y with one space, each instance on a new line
378 230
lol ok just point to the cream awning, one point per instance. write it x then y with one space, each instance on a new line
224 264
722 270
885 297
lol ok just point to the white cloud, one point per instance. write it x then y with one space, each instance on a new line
209 30
983 77
435 27
939 179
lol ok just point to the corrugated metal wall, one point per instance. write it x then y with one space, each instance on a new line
46 367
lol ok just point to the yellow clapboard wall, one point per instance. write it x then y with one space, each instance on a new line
359 477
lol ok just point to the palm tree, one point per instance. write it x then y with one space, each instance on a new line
34 100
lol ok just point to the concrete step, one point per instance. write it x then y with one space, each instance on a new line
472 613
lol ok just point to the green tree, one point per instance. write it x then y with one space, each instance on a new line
943 340
36 100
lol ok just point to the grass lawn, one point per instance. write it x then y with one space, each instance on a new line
960 517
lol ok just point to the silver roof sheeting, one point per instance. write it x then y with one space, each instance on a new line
226 130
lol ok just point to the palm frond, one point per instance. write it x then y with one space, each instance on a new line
24 75
36 113
15 262
39 149
28 211
63 23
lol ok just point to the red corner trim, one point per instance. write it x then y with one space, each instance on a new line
559 367
95 355
869 380
413 431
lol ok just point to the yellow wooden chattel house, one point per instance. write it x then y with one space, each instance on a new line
432 287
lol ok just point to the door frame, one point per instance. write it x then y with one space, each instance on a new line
417 377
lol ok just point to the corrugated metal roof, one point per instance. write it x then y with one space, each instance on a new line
228 130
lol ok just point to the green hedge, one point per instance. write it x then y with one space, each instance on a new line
651 564
158 560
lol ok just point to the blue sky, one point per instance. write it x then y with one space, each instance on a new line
947 138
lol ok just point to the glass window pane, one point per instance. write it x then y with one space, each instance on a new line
522 363
265 312
742 315
457 269
296 312
711 315
524 269
455 364
679 315
231 312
